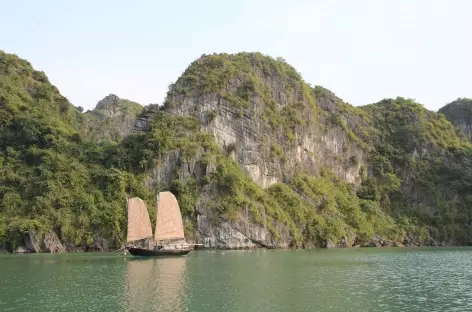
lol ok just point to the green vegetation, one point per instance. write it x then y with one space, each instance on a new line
50 178
421 149
54 176
276 150
249 72
340 210
355 121
106 120
211 73
459 111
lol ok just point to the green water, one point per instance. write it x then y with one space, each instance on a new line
396 279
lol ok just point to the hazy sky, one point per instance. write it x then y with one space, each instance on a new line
361 50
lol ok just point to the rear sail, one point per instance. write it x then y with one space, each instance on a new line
169 225
139 224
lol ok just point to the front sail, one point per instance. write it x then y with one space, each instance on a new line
139 224
169 225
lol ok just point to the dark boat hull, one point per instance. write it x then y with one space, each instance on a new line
141 252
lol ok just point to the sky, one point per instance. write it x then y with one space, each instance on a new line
363 50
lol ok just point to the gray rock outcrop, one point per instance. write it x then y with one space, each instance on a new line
48 242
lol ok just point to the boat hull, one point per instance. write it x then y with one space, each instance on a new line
141 252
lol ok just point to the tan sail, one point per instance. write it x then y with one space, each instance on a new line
169 225
139 224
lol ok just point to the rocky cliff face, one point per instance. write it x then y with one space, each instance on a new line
264 117
270 123
272 127
48 242
459 113
255 156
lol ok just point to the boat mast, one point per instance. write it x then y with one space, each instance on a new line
127 214
157 207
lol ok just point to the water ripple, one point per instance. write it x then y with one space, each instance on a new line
413 280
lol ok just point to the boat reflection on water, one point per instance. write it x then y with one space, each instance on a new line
155 284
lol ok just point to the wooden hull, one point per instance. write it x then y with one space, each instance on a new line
141 252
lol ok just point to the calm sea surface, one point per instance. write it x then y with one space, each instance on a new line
396 279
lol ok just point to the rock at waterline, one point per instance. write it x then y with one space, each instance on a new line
20 250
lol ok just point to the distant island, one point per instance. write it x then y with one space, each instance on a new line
256 157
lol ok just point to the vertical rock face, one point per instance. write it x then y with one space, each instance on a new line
32 242
278 128
272 124
52 243
49 242
459 113
240 234
265 117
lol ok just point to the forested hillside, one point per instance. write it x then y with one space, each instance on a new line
255 155
52 179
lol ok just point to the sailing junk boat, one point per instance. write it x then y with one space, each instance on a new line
169 239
